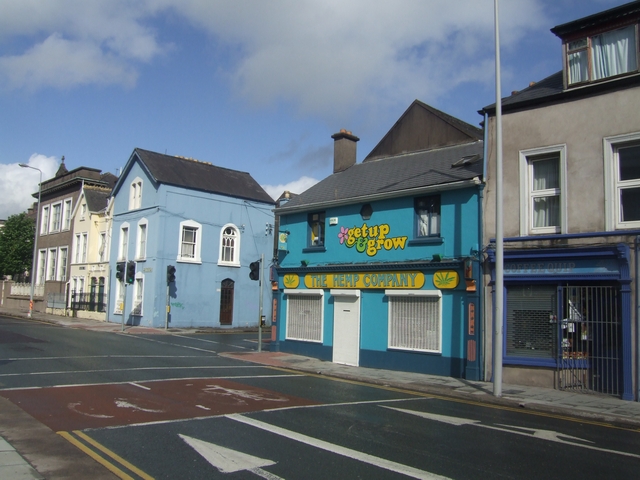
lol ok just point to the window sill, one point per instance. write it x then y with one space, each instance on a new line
427 241
189 260
314 249
227 264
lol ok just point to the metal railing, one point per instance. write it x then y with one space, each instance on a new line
90 302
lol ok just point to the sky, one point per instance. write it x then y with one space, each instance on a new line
253 85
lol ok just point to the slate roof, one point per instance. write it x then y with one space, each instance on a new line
394 176
96 199
202 176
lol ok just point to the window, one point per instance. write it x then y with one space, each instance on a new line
141 244
427 216
415 320
102 250
189 246
42 264
622 181
602 56
77 249
56 217
118 308
138 293
542 183
66 215
84 248
83 211
124 242
229 246
62 264
316 229
44 222
305 315
51 264
135 194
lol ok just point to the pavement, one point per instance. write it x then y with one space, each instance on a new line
590 407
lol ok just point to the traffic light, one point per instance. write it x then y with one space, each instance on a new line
120 271
131 271
254 273
171 273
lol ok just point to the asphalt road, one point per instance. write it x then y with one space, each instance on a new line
169 406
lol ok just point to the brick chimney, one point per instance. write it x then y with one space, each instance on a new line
344 150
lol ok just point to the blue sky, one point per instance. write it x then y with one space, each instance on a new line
254 85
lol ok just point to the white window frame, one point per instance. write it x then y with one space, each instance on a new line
305 292
63 261
85 244
66 213
141 239
56 213
612 185
235 249
118 306
391 294
42 267
123 244
198 242
102 248
44 221
83 211
526 194
135 194
138 295
52 255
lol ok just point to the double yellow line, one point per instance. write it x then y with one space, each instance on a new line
84 442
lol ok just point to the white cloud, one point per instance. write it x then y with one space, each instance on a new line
17 184
297 186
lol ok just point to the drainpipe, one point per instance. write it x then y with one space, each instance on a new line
637 319
481 335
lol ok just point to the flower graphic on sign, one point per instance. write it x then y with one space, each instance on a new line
343 235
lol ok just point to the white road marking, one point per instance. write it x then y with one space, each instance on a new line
203 407
208 341
74 408
75 372
225 459
128 335
337 449
121 403
139 386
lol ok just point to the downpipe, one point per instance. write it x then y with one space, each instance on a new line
637 261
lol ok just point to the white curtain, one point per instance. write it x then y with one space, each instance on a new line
546 208
614 53
578 67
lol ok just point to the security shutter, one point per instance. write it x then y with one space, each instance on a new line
415 323
304 317
532 321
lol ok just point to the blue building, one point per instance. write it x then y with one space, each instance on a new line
209 223
378 263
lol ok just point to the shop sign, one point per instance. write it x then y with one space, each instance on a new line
361 280
370 239
446 279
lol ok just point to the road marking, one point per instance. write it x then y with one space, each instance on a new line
208 341
139 386
74 408
75 357
128 335
548 435
120 403
227 460
337 449
203 407
74 372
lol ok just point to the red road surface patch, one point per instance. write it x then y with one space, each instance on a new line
98 406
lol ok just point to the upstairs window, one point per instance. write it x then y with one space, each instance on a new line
190 242
622 181
56 217
66 215
44 222
141 244
427 216
135 194
316 229
602 56
124 242
229 246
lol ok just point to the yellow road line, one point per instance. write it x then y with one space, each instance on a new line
113 455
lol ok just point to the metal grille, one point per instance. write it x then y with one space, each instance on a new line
92 302
590 344
531 329
304 317
414 323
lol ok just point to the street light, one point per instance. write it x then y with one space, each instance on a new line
35 241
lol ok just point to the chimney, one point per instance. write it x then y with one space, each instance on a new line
344 150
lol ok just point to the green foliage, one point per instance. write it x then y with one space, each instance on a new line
16 245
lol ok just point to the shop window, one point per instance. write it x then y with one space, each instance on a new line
542 190
427 216
531 321
622 180
305 315
415 320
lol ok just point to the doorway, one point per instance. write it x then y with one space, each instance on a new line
226 301
346 326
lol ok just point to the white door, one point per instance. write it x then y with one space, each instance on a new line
346 326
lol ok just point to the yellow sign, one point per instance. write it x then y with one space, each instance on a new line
363 280
291 280
445 279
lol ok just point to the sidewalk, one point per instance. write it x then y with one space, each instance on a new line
588 406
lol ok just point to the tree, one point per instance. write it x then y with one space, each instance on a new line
16 245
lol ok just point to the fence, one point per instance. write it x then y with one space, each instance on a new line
88 301
25 289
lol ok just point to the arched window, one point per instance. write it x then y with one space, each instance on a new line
229 246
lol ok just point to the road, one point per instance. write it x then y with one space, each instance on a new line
173 406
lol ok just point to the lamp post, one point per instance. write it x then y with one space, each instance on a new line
35 241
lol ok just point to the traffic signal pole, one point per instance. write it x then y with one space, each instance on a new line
260 303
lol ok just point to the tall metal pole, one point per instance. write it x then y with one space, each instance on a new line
498 307
35 240
260 303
